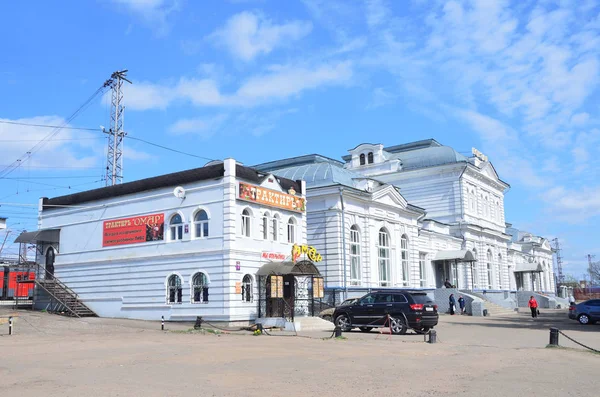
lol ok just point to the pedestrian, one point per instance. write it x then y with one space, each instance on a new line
452 303
461 303
533 305
447 284
571 300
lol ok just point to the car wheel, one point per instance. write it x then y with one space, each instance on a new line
366 329
397 326
327 318
343 322
583 319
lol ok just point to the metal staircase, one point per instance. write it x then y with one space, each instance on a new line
62 298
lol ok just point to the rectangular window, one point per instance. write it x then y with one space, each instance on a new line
245 225
404 258
422 270
354 257
275 230
291 228
265 227
384 259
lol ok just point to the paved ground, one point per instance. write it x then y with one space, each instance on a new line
58 356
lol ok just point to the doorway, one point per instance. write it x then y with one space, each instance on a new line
50 258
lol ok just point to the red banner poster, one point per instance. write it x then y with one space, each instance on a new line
139 229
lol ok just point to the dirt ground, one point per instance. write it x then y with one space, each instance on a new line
59 356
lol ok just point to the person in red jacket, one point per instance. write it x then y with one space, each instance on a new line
533 305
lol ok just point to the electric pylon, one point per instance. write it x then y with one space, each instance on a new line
114 154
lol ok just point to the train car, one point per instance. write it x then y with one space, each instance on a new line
16 282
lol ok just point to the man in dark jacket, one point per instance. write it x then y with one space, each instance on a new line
452 303
461 304
447 284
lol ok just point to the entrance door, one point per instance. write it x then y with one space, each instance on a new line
50 258
441 273
289 294
519 281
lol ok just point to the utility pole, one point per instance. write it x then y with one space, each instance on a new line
114 154
561 277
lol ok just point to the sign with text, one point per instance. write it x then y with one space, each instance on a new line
271 198
273 256
310 252
139 229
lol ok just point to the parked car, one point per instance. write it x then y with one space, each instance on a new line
327 314
587 312
407 309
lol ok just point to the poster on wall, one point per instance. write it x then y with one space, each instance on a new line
276 286
138 229
271 198
318 288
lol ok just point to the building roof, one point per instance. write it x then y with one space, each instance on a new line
428 157
296 161
214 171
320 174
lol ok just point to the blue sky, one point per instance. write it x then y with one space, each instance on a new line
263 80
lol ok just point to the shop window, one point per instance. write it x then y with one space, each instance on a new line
362 159
275 228
404 259
354 256
199 288
201 224
245 223
174 290
176 227
383 254
291 231
370 158
247 294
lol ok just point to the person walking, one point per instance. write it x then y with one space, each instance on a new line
533 305
452 303
571 300
461 304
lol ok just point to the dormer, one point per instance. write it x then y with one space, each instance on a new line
370 159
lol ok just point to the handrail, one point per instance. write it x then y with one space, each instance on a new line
59 300
45 275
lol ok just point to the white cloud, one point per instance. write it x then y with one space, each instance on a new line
153 12
377 12
381 97
580 118
204 127
281 83
247 35
573 205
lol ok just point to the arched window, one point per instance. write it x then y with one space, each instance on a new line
265 226
475 270
362 159
176 227
370 158
50 258
201 224
404 258
489 270
275 228
291 231
245 223
499 269
199 288
247 292
383 254
174 289
354 256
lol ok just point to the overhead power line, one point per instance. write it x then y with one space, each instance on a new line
48 126
168 148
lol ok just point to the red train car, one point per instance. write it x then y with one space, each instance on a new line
16 282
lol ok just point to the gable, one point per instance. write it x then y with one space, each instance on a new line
390 196
270 182
489 171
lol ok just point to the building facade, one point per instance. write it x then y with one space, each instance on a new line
180 245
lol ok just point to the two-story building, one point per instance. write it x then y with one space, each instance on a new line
180 245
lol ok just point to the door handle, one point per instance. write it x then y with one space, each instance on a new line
389 304
369 305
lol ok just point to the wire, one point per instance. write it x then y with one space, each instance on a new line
59 167
55 140
49 177
48 126
167 148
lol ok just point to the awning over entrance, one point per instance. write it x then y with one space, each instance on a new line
46 236
460 256
283 268
528 268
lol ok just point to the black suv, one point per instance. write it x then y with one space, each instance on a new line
406 309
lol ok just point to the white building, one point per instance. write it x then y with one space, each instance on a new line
181 245
436 213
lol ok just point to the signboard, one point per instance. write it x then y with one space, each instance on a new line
310 252
274 256
271 198
276 286
238 266
139 229
238 288
318 288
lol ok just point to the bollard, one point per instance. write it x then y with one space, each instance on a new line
338 332
162 323
10 325
553 336
432 336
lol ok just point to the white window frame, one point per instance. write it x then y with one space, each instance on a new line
422 269
247 285
499 269
291 230
275 228
246 223
490 276
404 260
176 229
200 224
202 285
383 262
176 287
265 225
475 270
355 270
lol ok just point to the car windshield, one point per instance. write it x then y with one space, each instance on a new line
348 302
421 298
